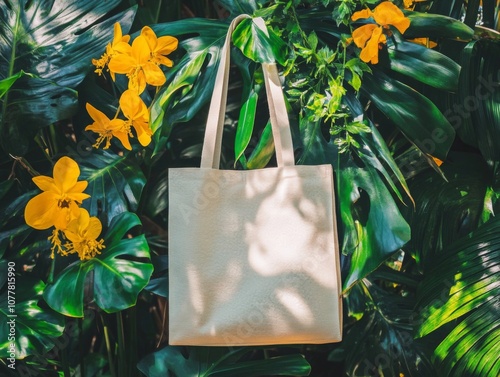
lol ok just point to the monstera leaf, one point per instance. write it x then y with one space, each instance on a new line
115 182
54 42
219 362
202 53
35 328
120 272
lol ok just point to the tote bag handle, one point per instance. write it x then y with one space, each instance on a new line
210 156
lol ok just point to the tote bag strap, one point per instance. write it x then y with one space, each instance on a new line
210 156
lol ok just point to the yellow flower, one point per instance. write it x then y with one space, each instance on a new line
369 36
137 115
138 66
106 128
82 232
141 63
159 47
119 45
58 204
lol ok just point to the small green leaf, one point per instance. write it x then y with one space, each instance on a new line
264 150
253 42
245 125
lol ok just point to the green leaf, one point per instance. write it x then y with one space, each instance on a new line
430 131
445 210
424 64
436 26
476 111
35 328
380 342
120 272
191 80
462 285
219 362
253 42
264 150
316 149
32 103
245 125
375 153
115 182
55 42
373 225
6 83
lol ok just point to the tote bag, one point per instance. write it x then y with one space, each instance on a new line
253 254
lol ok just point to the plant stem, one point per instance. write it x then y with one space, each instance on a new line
122 359
82 353
64 356
108 347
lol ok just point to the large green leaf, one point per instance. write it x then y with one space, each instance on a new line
115 182
380 342
436 26
219 362
373 225
120 272
423 64
476 111
187 90
54 41
34 328
463 281
444 209
430 131
32 103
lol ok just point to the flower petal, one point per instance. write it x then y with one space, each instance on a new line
45 183
140 50
132 105
94 228
166 44
154 75
41 211
362 34
370 52
387 13
122 63
365 13
98 116
66 173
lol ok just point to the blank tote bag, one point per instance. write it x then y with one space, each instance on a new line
253 254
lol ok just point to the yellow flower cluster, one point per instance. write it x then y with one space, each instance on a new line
140 62
369 37
58 206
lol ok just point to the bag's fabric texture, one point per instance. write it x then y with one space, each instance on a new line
253 255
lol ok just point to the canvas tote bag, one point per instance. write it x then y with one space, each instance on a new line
253 254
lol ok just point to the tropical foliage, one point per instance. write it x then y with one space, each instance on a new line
99 98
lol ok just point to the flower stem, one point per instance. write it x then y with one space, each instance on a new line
108 347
